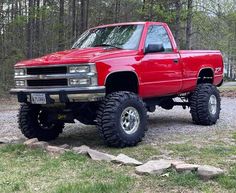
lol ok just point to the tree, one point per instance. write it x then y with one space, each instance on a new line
61 45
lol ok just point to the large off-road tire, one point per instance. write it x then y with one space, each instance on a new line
205 104
122 119
33 123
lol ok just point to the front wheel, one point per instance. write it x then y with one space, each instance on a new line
122 119
34 123
205 104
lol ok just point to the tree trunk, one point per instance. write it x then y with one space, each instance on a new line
73 18
30 30
82 16
178 7
189 24
61 44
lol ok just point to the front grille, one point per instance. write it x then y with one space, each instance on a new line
47 70
52 82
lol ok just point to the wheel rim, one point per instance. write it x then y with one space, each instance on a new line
212 105
42 121
130 120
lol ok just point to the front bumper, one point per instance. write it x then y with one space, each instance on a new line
62 95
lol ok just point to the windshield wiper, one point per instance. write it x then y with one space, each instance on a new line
107 45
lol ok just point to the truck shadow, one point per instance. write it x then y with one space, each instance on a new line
79 134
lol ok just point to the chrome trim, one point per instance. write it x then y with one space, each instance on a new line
54 65
56 76
80 97
68 75
61 89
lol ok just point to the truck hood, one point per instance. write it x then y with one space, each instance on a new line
77 56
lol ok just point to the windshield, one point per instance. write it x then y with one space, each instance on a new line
122 37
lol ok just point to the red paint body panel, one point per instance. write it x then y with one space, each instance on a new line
157 73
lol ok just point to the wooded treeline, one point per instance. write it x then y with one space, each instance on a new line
32 28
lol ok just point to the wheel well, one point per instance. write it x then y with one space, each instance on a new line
122 81
205 76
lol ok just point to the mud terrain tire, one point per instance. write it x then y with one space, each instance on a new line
205 104
30 126
122 119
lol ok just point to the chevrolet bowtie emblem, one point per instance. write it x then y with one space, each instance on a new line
42 76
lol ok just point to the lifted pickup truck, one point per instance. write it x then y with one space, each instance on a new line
112 76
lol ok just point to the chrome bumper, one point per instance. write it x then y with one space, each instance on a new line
62 95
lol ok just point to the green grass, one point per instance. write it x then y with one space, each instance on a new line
24 170
34 171
234 136
227 88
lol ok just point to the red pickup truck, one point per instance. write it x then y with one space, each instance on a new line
112 76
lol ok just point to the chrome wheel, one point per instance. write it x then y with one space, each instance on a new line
212 104
130 120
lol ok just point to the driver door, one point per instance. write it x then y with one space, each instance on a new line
162 71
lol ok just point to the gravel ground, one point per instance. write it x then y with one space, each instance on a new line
174 127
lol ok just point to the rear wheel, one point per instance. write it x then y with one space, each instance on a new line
122 119
205 104
34 123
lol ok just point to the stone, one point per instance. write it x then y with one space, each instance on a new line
232 158
65 146
81 150
206 172
41 145
186 167
157 167
10 140
126 160
99 156
4 141
55 149
174 163
30 141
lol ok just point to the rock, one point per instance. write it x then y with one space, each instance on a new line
65 146
30 141
3 141
186 167
126 160
39 144
99 156
232 158
81 150
158 157
55 149
157 167
206 172
174 163
8 140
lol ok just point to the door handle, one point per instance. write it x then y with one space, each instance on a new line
176 61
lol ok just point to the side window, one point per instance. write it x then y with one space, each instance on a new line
158 35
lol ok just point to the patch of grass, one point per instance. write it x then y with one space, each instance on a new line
119 184
26 170
227 88
234 136
183 150
228 181
189 180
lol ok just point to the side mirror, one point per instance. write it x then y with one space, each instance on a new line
152 48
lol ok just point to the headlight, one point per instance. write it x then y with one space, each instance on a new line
81 82
19 72
79 69
20 83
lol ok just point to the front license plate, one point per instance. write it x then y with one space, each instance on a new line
38 98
